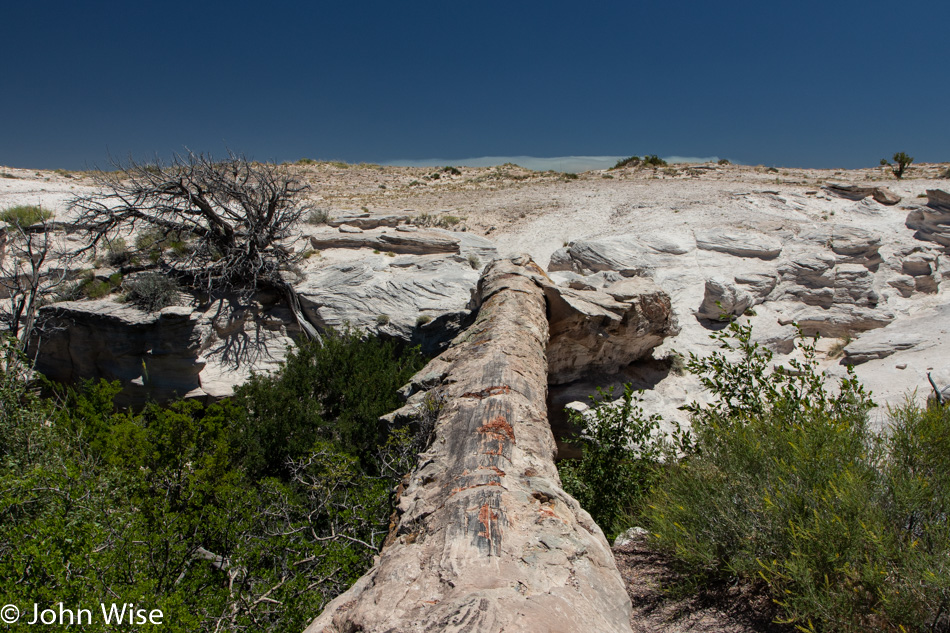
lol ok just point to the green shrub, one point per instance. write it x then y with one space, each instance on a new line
152 291
25 215
569 176
632 161
902 161
335 392
452 171
422 319
652 160
723 161
783 483
621 456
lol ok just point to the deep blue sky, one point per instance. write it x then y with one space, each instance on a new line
805 83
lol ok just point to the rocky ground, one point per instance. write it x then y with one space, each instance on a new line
658 607
864 269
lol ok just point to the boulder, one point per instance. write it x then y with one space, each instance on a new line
878 344
840 320
367 221
932 222
483 537
594 330
723 300
882 195
739 243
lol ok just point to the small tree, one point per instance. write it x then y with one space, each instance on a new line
902 161
33 264
232 217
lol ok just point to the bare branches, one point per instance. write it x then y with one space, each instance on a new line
234 216
33 264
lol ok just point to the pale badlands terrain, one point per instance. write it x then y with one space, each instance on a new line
791 248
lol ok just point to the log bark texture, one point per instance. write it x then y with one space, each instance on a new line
485 539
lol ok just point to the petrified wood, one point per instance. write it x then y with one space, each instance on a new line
485 538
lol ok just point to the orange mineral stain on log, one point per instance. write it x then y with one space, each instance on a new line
497 390
499 430
485 517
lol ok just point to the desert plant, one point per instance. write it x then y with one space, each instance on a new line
473 261
652 160
382 319
632 161
723 161
22 216
452 171
902 161
318 216
784 484
238 214
622 452
152 291
422 319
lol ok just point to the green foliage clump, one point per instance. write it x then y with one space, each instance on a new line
24 215
152 291
783 483
622 452
169 509
334 392
652 160
902 162
632 161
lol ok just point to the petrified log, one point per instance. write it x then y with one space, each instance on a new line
485 538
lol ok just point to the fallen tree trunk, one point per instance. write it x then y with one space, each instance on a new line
485 538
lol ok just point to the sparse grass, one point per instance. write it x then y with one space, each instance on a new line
445 221
473 261
382 319
118 253
422 319
318 217
25 215
837 349
307 161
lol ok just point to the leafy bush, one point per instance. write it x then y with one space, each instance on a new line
632 161
25 215
334 392
621 455
170 504
152 291
783 483
902 161
652 160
